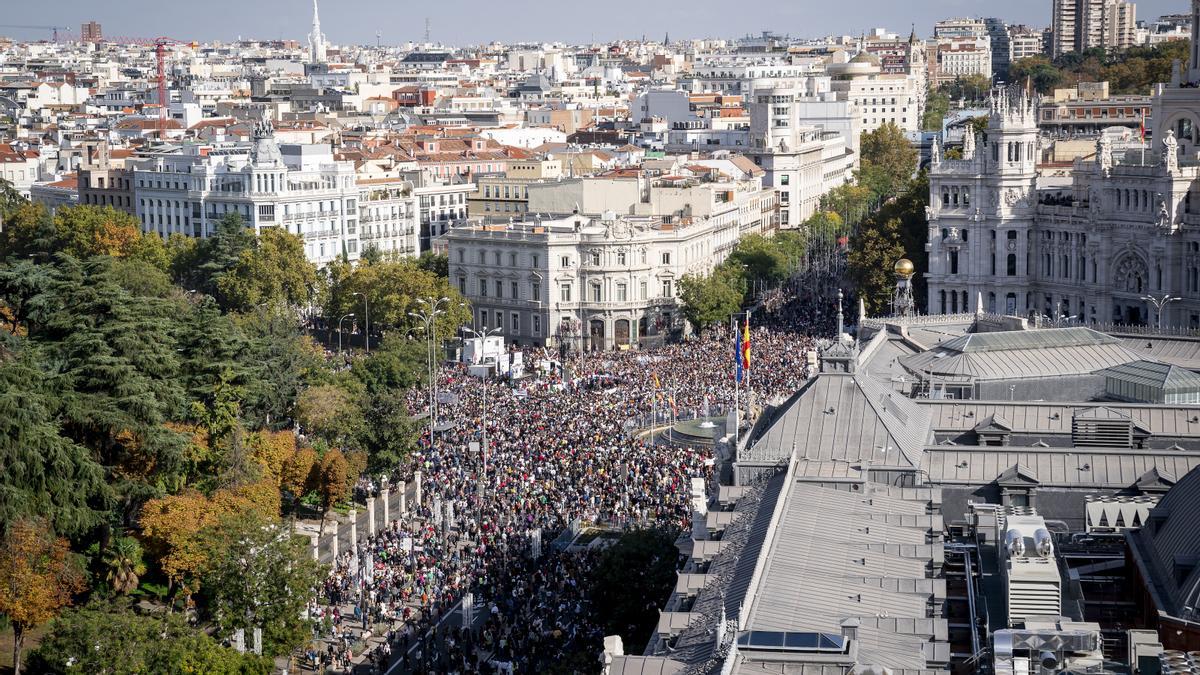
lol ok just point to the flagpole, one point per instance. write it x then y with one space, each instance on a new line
737 386
746 366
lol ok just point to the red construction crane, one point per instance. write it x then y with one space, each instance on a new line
160 45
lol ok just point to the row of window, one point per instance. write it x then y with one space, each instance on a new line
496 289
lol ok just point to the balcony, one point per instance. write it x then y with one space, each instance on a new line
320 234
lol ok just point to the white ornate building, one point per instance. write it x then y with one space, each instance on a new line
1124 229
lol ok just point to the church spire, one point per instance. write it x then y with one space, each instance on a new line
316 39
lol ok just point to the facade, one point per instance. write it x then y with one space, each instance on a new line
1096 249
877 98
1025 42
388 216
801 162
583 283
441 203
103 180
297 187
1078 25
1088 109
955 58
90 32
503 194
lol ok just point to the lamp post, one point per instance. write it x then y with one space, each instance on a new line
1159 303
483 453
366 320
431 309
347 316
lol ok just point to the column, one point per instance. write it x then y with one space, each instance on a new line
417 480
370 516
334 546
315 541
353 529
403 497
386 493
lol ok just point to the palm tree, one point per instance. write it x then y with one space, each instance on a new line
124 563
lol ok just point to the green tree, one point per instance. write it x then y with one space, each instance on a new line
281 360
389 434
937 105
123 564
630 580
1037 70
214 257
10 199
118 364
272 271
437 264
711 299
110 639
761 258
391 289
331 413
888 160
262 576
873 251
45 474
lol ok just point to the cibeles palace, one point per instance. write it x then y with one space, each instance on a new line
1093 246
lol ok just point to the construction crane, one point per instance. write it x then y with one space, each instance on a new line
53 29
160 45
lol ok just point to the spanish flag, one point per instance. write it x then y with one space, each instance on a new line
745 354
737 354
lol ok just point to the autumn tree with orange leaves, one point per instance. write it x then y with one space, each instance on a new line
38 578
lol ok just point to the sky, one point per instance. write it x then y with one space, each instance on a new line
462 22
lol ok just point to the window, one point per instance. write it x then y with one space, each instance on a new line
483 288
565 293
536 261
596 258
514 323
535 292
499 289
462 255
496 258
512 261
537 324
666 258
621 258
642 291
512 290
1012 265
784 179
483 318
622 293
595 292
565 261
462 285
666 288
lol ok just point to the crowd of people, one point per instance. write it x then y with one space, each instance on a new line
523 462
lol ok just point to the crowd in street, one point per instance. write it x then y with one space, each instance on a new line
523 462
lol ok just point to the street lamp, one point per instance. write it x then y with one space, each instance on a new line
1159 303
351 314
431 309
483 335
366 319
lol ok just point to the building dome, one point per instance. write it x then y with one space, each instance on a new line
865 57
904 268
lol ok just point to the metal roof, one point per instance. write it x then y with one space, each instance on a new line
846 418
1169 378
1177 351
1028 339
1170 421
1172 539
1058 467
833 555
1020 362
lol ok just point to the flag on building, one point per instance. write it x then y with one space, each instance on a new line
737 353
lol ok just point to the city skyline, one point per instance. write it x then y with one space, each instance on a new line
523 20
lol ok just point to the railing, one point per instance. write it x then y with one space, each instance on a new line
320 234
925 320
1126 329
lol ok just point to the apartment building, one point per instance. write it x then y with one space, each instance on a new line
1078 25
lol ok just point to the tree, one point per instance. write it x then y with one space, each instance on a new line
123 564
273 271
391 288
280 360
334 481
262 577
111 639
1037 70
937 104
437 264
331 413
215 256
298 475
888 160
45 473
874 251
38 578
630 580
85 231
711 299
761 258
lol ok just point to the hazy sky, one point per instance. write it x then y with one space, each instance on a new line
473 21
